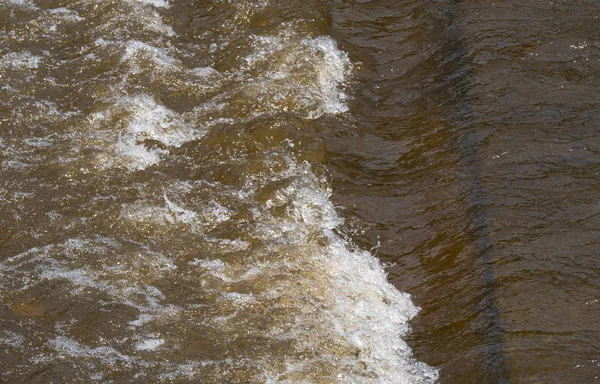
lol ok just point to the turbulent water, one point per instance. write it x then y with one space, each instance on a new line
302 191
186 231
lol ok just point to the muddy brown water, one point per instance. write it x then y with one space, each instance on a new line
265 192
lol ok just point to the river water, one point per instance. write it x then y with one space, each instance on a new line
235 191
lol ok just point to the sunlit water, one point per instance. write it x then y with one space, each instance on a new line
185 231
247 192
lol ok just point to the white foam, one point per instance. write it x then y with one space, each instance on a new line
333 67
327 289
72 348
289 70
20 60
149 120
285 264
114 25
178 213
66 14
238 299
245 10
227 245
216 268
155 3
11 339
198 221
38 142
335 291
149 344
23 3
125 279
103 360
138 52
205 72
348 299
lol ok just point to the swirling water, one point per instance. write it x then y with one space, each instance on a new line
234 191
186 230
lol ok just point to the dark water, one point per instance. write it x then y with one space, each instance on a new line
214 191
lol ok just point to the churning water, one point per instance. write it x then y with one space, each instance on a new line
246 191
177 204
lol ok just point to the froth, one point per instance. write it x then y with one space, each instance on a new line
239 274
331 74
315 290
11 339
149 344
86 264
155 3
353 302
21 60
296 74
149 130
135 49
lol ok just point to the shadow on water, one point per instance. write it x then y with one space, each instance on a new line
467 142
411 174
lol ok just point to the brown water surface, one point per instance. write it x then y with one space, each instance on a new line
475 166
213 191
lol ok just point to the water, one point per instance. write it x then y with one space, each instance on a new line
253 192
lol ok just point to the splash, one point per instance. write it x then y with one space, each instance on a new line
193 235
